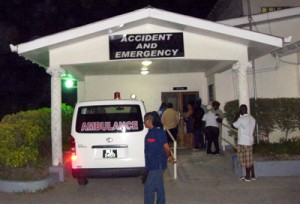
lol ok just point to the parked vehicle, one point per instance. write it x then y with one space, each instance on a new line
108 139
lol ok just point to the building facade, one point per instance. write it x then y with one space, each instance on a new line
200 57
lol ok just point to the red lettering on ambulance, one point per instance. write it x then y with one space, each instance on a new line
106 126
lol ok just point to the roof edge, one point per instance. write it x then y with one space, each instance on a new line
106 24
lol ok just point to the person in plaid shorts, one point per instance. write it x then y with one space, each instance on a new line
245 124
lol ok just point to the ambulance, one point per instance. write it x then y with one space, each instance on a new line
107 139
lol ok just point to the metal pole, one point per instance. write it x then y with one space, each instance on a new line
174 153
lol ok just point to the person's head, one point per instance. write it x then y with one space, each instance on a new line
189 105
169 105
243 109
197 104
163 105
215 105
152 119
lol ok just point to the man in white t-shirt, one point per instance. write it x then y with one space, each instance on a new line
211 130
245 125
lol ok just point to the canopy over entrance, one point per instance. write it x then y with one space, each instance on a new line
38 51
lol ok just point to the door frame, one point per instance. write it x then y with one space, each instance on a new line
181 101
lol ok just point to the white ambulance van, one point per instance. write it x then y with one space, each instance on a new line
108 139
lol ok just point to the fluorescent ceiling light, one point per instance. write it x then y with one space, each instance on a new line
146 62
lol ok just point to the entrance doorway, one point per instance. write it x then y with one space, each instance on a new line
180 101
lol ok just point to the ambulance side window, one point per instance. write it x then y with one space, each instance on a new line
109 118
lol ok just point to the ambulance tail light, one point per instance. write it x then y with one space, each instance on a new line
73 149
117 96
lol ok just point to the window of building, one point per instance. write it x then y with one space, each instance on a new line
270 9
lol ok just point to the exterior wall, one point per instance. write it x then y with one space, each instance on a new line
284 28
196 47
256 5
278 78
228 9
147 87
87 51
277 81
226 87
208 48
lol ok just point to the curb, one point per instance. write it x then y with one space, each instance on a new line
29 186
270 168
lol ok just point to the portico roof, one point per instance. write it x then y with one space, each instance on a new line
258 44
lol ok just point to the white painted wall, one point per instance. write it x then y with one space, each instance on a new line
275 82
284 28
195 47
147 88
257 4
281 79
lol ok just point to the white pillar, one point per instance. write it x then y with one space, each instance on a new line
243 82
56 132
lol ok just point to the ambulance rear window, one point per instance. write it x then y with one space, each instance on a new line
109 118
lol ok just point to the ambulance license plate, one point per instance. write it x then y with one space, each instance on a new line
110 153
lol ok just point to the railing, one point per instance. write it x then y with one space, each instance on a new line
174 152
225 140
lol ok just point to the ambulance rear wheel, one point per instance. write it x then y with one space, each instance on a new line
82 181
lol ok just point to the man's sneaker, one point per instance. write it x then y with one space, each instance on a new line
216 153
253 178
244 179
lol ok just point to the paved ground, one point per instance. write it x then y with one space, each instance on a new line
201 179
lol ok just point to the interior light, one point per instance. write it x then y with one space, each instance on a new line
144 68
133 96
144 72
146 62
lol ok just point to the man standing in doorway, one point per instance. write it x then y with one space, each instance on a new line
246 125
170 120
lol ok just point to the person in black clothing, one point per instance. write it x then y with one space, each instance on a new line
198 113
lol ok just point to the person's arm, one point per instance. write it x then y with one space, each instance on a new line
168 153
235 120
221 114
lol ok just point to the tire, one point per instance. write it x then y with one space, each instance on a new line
82 181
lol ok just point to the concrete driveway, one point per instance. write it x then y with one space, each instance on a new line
201 179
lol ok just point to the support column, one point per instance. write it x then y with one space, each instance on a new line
56 132
241 69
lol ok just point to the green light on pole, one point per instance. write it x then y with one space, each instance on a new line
69 83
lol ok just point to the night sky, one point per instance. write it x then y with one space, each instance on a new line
25 86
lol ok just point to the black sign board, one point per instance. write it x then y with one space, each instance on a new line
179 88
153 45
